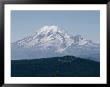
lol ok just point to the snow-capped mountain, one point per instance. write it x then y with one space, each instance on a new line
51 41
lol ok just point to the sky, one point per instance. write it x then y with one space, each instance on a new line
85 23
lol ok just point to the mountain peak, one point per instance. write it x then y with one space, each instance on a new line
50 41
79 38
49 29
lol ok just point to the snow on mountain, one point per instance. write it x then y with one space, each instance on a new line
51 41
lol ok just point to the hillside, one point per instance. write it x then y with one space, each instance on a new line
67 66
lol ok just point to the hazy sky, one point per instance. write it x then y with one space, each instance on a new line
86 23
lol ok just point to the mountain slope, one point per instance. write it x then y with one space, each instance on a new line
51 41
67 66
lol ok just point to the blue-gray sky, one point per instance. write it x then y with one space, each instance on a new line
86 23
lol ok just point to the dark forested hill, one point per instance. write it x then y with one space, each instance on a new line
67 66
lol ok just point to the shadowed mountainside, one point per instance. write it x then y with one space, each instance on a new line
67 66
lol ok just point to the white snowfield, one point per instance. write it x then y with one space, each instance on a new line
50 41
